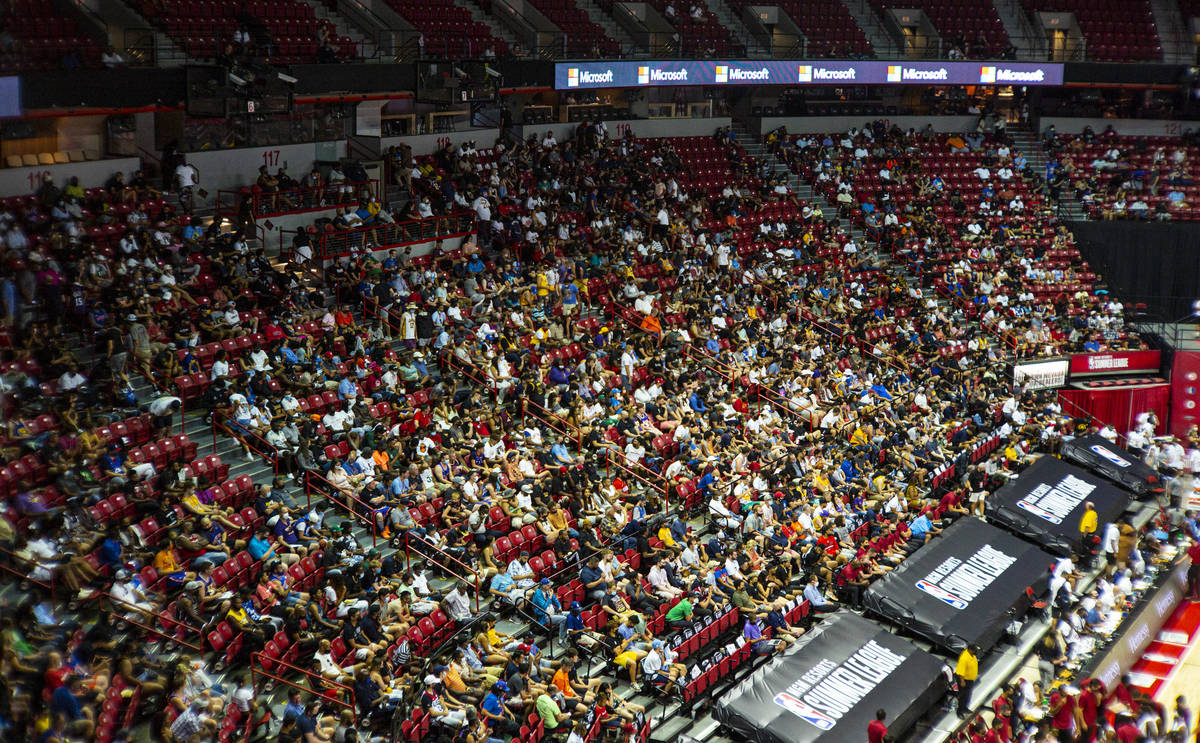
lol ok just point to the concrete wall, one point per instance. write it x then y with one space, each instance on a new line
22 181
427 144
821 124
232 169
1130 127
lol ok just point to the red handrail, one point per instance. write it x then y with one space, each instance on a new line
262 671
991 327
333 495
162 617
409 538
779 402
619 462
526 404
470 370
719 367
337 243
48 585
1066 401
229 201
261 446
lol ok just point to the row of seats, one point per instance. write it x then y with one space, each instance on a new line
43 37
203 27
827 25
60 157
1116 30
584 37
448 30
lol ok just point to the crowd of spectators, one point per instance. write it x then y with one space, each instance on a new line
966 214
658 399
1123 177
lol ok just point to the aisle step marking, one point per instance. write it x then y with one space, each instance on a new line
1161 658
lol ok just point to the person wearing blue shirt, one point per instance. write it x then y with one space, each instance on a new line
110 550
816 600
65 701
593 579
400 485
259 545
712 345
114 462
475 265
848 468
695 403
498 715
346 389
504 588
560 453
548 609
678 529
559 375
922 530
574 624
639 511
293 708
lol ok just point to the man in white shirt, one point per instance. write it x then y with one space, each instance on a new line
337 420
458 606
520 571
1172 459
186 178
634 452
71 379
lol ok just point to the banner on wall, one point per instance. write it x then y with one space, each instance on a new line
826 688
572 75
1048 374
1116 362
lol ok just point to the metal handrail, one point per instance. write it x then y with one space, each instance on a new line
304 198
427 553
249 439
339 243
333 494
470 370
262 671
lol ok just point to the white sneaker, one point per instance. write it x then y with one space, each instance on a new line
249 456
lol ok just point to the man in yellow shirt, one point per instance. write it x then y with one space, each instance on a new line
965 672
1089 521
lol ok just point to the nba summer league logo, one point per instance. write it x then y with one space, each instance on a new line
957 582
1110 456
809 714
1054 503
829 690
